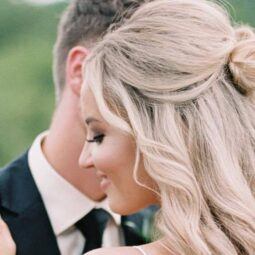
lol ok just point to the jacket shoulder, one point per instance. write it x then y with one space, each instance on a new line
15 166
16 184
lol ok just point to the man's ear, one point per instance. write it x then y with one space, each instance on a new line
74 64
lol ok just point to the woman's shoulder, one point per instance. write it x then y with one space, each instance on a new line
153 248
115 251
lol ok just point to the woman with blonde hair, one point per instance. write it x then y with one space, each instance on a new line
168 101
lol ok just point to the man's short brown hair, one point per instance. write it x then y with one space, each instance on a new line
84 22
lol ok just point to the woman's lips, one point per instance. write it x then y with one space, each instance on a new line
105 183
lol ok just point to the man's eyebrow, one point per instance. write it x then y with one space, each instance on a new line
91 119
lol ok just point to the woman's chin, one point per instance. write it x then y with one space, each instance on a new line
122 207
117 207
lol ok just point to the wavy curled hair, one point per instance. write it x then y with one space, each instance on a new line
180 78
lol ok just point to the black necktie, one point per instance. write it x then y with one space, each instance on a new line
92 227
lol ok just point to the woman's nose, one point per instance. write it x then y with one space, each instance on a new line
85 160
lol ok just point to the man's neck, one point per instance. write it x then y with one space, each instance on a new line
63 145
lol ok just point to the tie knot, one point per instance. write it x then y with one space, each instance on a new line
101 217
92 227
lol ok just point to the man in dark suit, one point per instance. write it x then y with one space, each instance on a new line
50 205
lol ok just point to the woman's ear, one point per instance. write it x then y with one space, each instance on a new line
74 64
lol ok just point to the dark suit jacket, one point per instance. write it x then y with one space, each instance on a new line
22 208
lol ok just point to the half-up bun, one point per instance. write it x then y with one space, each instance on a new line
242 60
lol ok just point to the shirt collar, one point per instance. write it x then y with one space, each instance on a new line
64 203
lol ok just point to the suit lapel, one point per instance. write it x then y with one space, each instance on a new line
23 210
32 232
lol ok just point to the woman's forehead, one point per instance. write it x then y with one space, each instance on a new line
88 103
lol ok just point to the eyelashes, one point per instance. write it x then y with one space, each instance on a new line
96 139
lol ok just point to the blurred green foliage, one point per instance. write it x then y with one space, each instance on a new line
27 35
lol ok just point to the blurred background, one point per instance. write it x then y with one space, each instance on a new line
27 35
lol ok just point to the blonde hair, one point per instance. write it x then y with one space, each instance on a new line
181 79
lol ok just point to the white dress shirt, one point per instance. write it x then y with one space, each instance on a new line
66 205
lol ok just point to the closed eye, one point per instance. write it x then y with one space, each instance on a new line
96 139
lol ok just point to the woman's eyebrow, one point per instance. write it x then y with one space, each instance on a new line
91 119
